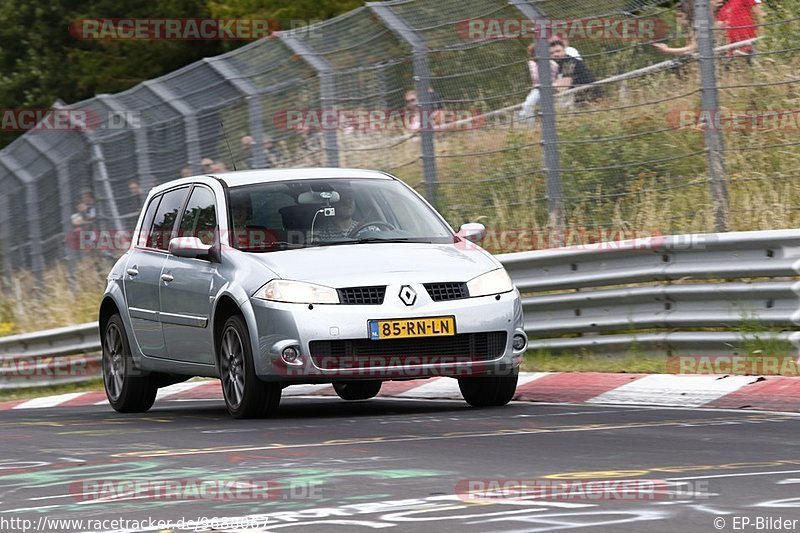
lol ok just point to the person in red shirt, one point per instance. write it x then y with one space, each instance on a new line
736 17
739 18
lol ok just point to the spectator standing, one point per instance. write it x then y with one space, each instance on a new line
86 211
739 18
685 17
529 106
414 119
247 151
571 51
572 72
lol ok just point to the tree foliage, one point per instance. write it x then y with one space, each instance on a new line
41 61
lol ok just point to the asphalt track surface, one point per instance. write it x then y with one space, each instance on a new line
400 465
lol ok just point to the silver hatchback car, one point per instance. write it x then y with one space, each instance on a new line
270 278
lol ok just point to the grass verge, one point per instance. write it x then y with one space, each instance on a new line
8 395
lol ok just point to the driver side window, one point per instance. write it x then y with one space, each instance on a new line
200 216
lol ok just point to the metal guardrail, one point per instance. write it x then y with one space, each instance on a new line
50 357
698 294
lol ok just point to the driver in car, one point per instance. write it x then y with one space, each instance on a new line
342 225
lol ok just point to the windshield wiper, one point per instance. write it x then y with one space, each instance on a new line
372 240
273 247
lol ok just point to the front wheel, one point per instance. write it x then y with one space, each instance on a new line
489 391
357 390
245 395
126 392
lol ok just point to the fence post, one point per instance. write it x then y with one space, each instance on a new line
251 95
718 184
189 121
64 189
4 216
100 174
144 170
552 163
421 84
327 89
32 208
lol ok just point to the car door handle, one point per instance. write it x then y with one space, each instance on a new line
166 278
132 272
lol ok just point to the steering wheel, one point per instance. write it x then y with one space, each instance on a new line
379 223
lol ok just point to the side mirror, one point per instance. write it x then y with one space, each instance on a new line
472 231
190 247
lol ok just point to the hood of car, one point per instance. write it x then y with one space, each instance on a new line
380 263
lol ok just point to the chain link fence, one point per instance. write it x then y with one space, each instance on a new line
634 145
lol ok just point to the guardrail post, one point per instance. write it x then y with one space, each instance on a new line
4 216
189 122
251 94
101 176
32 208
141 149
552 163
327 89
422 79
64 188
710 104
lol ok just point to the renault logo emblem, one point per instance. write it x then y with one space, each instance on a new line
407 295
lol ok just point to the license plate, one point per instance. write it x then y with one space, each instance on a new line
412 327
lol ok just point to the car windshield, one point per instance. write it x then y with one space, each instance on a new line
284 215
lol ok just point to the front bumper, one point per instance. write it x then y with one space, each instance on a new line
280 325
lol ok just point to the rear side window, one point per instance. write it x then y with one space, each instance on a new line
147 222
200 216
165 217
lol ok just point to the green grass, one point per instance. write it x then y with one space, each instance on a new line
631 363
50 390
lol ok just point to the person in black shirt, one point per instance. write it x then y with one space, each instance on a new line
572 72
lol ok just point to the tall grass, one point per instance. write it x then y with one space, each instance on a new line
60 298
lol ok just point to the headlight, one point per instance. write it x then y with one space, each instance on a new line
297 292
493 282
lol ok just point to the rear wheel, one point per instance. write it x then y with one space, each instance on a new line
245 395
126 392
489 391
357 390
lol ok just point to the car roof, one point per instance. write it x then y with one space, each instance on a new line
249 177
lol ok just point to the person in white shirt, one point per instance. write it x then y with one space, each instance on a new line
529 106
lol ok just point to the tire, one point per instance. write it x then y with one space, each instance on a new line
489 391
357 390
126 392
245 395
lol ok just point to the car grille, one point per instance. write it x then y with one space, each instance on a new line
362 295
365 353
441 292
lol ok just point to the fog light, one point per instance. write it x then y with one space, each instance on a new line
519 342
290 356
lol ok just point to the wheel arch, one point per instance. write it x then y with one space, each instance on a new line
108 308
